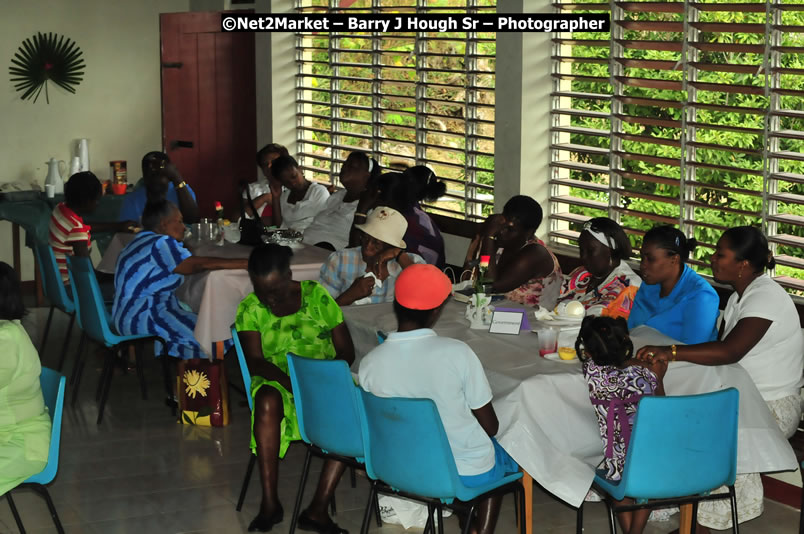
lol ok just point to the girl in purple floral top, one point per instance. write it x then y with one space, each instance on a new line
616 383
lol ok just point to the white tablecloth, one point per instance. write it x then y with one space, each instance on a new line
214 295
547 423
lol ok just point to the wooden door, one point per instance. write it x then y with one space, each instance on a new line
208 106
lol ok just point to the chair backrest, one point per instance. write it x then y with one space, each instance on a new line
52 384
90 309
52 284
326 405
245 373
406 446
682 445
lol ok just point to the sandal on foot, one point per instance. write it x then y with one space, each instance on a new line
265 524
304 522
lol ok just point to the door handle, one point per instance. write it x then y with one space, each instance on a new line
180 144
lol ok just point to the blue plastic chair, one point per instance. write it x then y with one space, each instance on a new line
52 384
406 447
246 374
681 448
326 401
56 293
95 320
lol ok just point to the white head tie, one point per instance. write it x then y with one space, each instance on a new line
600 236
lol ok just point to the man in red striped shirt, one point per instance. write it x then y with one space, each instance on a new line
69 235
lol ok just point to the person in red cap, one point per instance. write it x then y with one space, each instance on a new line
415 362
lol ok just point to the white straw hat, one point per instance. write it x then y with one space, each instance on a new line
387 225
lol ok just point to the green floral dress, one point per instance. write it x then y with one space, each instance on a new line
308 333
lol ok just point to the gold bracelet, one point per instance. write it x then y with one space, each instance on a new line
181 184
673 350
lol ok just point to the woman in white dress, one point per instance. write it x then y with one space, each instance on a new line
299 200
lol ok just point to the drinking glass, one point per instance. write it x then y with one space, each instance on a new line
548 340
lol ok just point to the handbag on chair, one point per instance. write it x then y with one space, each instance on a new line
251 230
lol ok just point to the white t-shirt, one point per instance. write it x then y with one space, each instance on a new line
775 363
300 215
421 364
333 223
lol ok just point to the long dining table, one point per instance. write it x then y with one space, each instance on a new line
215 295
547 423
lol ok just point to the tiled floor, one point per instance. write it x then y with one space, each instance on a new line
140 472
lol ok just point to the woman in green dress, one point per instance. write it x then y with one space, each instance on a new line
24 422
281 316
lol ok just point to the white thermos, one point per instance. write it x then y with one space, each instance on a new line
83 154
75 166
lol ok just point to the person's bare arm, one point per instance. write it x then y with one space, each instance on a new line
257 364
533 261
196 264
487 418
742 338
342 341
360 288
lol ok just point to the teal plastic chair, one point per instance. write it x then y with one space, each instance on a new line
56 293
52 384
406 448
246 374
681 448
326 401
95 320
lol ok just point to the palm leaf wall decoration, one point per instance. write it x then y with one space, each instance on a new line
43 58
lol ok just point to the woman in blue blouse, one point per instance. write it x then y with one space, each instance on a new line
148 272
673 298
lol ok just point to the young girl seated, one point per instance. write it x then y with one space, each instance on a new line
616 383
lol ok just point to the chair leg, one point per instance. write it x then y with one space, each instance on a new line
353 477
694 526
523 527
108 363
15 513
377 513
300 491
612 521
579 519
168 381
47 330
469 518
106 387
42 490
77 362
252 459
440 519
735 525
367 514
78 370
140 369
66 342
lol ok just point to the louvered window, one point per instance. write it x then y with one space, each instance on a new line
687 113
408 98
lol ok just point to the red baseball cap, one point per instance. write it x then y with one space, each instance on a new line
422 287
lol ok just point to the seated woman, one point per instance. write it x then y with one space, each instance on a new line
260 190
367 274
605 284
282 316
24 421
149 270
673 299
520 265
300 201
331 227
403 192
761 331
161 180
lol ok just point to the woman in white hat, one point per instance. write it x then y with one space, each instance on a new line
366 274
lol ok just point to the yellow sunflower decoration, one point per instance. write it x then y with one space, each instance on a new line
196 383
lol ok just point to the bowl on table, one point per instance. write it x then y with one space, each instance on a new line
285 237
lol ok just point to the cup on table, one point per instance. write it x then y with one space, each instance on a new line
205 229
50 190
548 340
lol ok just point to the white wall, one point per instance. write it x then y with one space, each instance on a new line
117 106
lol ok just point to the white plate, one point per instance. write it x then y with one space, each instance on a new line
556 358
